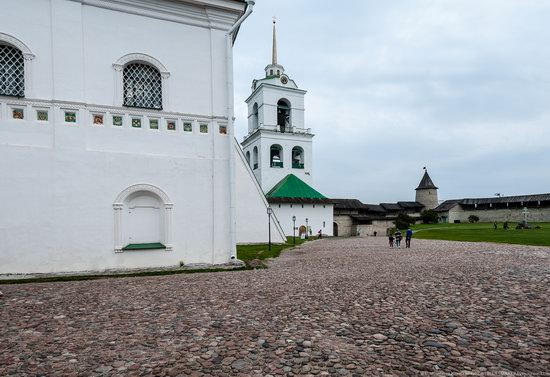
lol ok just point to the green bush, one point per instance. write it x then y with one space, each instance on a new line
403 221
473 219
429 216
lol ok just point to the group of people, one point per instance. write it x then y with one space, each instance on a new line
399 236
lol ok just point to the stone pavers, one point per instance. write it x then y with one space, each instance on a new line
337 307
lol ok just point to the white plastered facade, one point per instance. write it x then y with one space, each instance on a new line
77 191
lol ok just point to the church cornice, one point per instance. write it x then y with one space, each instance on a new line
215 14
271 86
279 135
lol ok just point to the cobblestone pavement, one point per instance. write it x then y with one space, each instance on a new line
340 307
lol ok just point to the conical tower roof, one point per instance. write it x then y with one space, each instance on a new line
426 183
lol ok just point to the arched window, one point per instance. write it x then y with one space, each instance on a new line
248 157
276 153
12 71
298 158
141 81
142 86
255 158
255 116
283 115
15 67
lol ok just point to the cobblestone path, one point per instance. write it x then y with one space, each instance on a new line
339 307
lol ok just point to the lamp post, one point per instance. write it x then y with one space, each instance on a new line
294 229
269 212
307 229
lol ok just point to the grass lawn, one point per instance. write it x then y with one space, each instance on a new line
261 251
484 232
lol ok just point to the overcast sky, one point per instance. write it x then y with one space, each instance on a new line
459 86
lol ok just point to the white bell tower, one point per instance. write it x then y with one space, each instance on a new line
278 143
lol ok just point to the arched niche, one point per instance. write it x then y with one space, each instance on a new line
143 216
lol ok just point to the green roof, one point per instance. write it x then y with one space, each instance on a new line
293 187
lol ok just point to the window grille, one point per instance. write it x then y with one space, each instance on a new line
142 86
12 72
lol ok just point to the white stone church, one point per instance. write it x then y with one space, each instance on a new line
117 138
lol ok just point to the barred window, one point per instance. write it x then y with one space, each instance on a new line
142 86
12 71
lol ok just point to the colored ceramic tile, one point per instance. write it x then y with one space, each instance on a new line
223 130
154 124
136 122
117 120
18 114
70 117
98 119
188 127
42 115
171 125
204 128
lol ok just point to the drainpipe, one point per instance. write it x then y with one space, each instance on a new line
231 130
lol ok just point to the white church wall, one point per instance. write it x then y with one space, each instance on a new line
252 219
320 217
65 176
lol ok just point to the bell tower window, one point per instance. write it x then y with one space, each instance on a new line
255 158
276 153
297 158
255 116
283 116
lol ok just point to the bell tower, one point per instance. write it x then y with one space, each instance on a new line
278 142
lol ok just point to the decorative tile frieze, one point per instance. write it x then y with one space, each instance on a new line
42 115
118 121
136 122
70 116
171 125
203 128
18 113
188 127
153 124
98 119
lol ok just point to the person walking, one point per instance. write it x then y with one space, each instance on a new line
398 238
390 238
408 237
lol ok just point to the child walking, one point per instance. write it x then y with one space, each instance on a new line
398 238
390 238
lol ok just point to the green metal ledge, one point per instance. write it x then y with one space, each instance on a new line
144 246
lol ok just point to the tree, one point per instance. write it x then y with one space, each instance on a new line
429 216
473 219
403 221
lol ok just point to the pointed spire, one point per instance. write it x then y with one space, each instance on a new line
426 182
274 56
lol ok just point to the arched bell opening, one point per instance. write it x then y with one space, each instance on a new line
297 158
283 116
276 156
